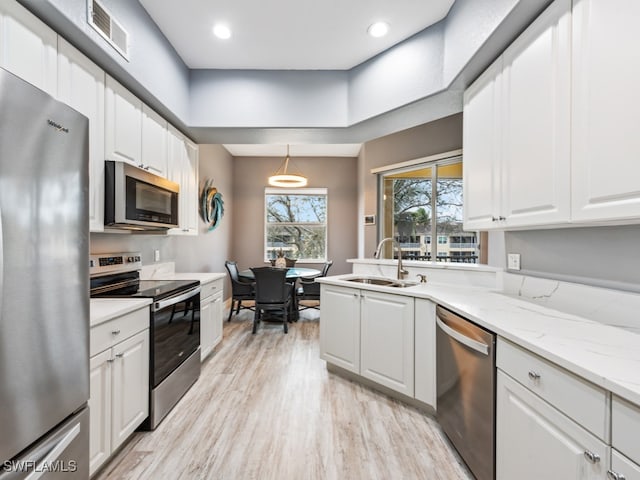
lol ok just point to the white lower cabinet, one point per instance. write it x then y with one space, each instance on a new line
119 383
535 441
425 352
622 468
386 340
211 313
625 454
340 327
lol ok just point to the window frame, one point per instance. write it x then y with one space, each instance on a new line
432 162
315 191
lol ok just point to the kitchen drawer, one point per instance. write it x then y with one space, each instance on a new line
625 425
107 334
622 468
578 399
210 288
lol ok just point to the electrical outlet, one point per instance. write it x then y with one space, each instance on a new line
513 261
156 255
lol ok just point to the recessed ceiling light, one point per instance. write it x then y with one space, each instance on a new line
378 29
221 31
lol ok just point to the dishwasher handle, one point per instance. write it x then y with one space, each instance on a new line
479 347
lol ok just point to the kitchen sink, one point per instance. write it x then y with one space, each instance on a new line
385 282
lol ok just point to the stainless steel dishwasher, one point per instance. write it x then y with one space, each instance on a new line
466 385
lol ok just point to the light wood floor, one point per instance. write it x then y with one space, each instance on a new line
265 407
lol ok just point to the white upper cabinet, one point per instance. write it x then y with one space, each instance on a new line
81 86
606 110
189 187
517 130
536 76
482 156
28 47
183 169
154 142
123 124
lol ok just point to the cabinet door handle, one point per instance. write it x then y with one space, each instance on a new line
119 355
534 375
611 475
111 360
115 332
494 219
501 218
592 457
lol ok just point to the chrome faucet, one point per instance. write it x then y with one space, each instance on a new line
401 271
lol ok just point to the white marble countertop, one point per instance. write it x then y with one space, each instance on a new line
602 354
104 309
166 271
204 277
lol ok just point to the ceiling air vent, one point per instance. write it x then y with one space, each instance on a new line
107 26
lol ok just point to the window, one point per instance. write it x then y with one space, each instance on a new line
425 201
296 224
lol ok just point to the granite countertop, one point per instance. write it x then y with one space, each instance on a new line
605 355
104 309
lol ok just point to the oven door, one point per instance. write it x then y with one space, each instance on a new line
175 332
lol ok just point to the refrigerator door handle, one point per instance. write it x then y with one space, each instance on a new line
51 450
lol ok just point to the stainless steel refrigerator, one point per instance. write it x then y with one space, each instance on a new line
44 285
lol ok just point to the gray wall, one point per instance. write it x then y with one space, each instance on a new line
338 175
601 256
420 79
205 253
154 71
429 139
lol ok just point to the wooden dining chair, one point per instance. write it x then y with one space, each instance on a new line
273 294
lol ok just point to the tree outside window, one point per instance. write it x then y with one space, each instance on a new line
425 201
296 224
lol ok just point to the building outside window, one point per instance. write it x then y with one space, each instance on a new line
296 224
422 202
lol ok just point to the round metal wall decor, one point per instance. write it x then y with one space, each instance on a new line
211 205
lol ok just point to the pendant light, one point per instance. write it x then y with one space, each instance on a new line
283 179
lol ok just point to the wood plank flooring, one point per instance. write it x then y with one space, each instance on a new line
265 407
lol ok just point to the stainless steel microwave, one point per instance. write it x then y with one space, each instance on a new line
138 200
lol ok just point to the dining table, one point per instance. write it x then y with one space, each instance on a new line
293 273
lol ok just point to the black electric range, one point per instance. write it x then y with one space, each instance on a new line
174 326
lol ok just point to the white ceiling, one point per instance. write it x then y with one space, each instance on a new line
265 150
288 34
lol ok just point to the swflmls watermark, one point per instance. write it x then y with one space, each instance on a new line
30 466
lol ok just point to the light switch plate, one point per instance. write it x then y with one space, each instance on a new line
156 255
513 261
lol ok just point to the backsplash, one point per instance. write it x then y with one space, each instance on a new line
603 305
605 256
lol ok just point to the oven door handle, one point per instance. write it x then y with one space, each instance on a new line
479 347
173 300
